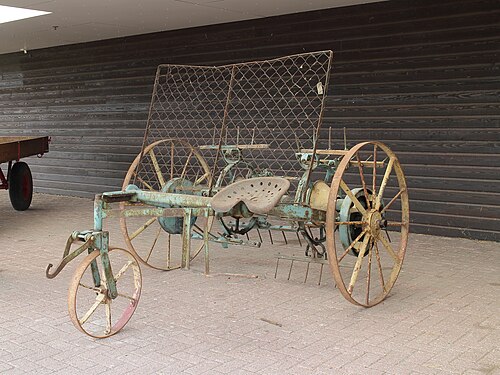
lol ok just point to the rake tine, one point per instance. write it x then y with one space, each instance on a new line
320 274
260 237
387 232
345 140
290 272
284 237
248 238
277 264
307 272
329 137
271 237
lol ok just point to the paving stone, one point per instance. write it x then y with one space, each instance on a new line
440 317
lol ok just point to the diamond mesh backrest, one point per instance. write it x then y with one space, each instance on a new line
277 102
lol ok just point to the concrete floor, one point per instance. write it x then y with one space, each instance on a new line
442 317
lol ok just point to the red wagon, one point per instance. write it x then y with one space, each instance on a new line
19 181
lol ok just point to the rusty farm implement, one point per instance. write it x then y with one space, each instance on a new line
231 150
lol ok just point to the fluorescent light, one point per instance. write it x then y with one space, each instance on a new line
9 14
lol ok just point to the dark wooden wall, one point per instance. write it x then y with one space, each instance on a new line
422 76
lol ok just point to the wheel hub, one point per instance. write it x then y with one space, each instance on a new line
102 295
376 222
174 225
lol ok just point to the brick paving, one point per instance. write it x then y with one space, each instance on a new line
442 317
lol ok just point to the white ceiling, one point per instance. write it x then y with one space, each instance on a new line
74 21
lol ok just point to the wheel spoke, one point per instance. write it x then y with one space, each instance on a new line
172 160
368 274
359 262
352 245
154 243
379 266
90 287
389 248
92 309
363 183
145 183
168 249
199 180
354 200
374 174
108 317
350 222
127 297
123 269
383 184
196 177
142 228
156 166
184 170
386 207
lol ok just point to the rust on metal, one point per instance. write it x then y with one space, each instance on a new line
15 148
265 170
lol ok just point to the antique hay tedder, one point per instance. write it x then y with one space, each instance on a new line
233 149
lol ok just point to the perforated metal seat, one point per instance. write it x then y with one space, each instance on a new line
259 194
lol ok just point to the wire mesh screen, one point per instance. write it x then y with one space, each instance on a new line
268 109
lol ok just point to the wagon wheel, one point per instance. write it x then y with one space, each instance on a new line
173 166
20 186
371 183
91 309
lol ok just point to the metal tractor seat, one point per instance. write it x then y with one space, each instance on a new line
259 194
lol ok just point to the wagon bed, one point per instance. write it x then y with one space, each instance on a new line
15 148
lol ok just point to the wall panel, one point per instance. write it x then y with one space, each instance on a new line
422 76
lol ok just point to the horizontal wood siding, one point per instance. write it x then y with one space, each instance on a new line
422 76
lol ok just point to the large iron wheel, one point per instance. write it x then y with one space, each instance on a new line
367 262
172 166
91 308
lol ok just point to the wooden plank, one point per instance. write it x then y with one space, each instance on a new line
418 75
344 17
457 209
448 196
456 232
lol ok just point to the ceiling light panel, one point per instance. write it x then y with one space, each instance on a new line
9 14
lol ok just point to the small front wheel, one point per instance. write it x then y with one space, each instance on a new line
91 308
20 186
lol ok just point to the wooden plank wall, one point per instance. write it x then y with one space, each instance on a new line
422 76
